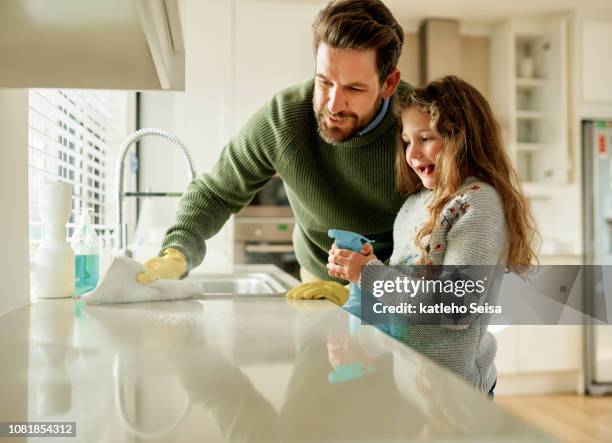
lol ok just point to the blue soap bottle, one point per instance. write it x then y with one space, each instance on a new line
86 248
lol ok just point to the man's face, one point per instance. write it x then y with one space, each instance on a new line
347 92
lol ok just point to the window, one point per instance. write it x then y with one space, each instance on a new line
74 136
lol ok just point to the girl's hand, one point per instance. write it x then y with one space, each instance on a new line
346 264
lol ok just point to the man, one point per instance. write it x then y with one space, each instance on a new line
332 141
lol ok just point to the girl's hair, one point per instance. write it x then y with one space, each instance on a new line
473 146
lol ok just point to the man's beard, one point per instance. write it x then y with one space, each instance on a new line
334 135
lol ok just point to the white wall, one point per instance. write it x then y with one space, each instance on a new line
200 116
273 50
14 261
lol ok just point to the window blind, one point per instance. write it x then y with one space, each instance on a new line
73 137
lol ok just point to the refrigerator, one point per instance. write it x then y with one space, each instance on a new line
597 186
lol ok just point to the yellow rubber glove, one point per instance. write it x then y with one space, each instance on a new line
171 266
329 290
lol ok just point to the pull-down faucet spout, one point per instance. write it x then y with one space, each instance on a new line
121 234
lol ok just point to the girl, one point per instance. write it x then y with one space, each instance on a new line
464 207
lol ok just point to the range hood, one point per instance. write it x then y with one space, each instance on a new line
91 44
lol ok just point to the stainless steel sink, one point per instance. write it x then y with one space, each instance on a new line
240 284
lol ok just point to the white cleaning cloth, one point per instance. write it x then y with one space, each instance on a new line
120 286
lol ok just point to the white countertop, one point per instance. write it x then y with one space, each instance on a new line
236 369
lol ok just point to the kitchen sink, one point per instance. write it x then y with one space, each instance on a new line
240 284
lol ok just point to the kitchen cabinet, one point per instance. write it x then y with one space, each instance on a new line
89 44
590 65
596 60
528 95
541 348
541 359
553 348
529 84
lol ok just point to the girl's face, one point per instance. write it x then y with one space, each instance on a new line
422 145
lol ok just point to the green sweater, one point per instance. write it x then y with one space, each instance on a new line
349 186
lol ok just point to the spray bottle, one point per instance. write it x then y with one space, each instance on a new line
354 242
350 371
85 244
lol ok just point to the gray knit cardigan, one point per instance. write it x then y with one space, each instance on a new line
471 231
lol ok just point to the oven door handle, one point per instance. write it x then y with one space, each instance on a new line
266 249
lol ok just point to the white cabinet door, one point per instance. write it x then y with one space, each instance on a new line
506 359
596 66
549 348
537 349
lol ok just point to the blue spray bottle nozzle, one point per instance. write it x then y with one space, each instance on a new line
348 240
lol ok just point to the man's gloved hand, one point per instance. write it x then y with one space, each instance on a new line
171 265
329 290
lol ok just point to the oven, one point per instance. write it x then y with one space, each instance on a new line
263 230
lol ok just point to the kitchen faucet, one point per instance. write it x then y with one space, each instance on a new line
120 195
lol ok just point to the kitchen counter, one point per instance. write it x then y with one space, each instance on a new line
235 369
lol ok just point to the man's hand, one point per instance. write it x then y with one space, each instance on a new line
329 290
170 266
346 264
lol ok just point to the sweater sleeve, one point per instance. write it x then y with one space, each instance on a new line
471 241
478 236
246 163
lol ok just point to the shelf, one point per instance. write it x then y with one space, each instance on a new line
529 89
530 147
530 114
530 82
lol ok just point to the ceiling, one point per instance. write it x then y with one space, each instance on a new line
476 11
485 11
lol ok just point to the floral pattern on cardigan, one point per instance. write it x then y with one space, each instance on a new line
436 243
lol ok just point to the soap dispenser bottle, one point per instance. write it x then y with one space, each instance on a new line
86 248
53 262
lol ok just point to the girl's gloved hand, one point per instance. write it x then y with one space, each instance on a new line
171 265
342 263
329 290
